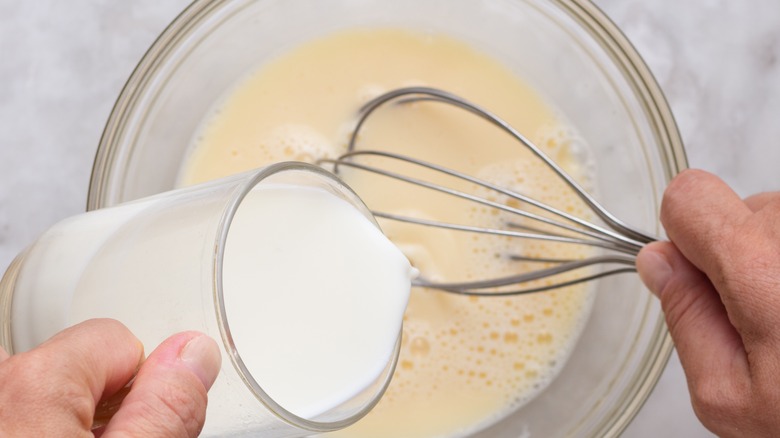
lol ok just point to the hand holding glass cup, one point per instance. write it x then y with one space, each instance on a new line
258 262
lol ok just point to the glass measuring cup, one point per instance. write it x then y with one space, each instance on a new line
157 266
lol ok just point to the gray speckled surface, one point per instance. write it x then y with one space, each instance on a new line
62 64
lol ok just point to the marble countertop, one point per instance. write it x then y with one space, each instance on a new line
64 63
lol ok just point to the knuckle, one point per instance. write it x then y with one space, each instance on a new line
186 406
719 404
682 310
680 189
33 397
171 409
750 282
70 394
80 404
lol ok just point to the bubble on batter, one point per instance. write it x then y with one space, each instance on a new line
420 346
297 142
367 92
570 151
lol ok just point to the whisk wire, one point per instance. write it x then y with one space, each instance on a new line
560 226
436 95
477 288
609 238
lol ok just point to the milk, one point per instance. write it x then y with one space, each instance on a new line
465 362
326 284
306 277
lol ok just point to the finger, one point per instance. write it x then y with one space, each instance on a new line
721 236
168 396
710 349
760 200
62 380
701 215
3 354
101 352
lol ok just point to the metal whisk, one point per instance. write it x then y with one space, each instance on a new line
619 243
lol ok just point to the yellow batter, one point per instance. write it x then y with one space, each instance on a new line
465 362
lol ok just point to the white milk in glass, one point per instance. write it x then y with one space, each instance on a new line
338 286
306 277
465 362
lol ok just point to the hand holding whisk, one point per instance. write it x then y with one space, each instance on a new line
618 242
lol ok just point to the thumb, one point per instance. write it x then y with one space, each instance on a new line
710 349
168 397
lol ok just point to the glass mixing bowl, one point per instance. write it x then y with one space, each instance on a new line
566 49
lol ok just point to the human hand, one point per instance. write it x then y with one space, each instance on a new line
53 390
719 285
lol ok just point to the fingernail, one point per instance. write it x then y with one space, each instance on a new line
654 269
201 355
